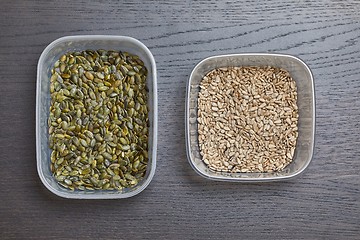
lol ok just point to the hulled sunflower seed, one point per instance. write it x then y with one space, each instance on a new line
247 119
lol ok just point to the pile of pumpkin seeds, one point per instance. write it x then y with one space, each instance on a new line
98 121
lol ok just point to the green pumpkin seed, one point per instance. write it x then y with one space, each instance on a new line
103 88
68 182
107 155
98 120
123 141
65 75
89 75
125 147
131 73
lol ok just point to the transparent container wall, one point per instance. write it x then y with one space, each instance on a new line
303 77
50 55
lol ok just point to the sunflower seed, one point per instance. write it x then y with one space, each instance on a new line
247 119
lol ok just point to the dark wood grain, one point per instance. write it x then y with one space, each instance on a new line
323 203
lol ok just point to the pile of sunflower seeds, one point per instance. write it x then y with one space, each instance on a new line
247 119
98 122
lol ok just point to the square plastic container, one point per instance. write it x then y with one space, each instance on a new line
46 62
299 71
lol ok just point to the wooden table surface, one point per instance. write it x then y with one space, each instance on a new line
323 203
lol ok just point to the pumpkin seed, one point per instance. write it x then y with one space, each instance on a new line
98 120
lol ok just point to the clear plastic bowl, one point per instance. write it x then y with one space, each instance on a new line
299 71
46 61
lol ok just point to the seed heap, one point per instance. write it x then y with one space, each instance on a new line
98 122
247 119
